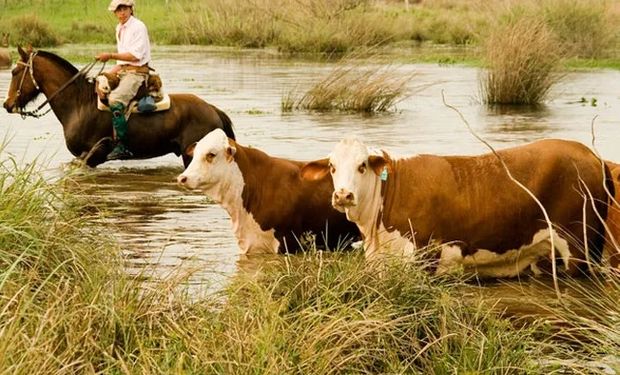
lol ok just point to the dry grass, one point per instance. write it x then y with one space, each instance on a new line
66 307
350 87
521 60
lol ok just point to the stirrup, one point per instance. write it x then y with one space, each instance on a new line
120 152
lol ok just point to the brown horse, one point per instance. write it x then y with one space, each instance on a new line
88 131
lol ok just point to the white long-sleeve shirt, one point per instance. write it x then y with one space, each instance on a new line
133 37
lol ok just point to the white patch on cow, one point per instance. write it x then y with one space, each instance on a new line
486 263
218 176
102 84
388 243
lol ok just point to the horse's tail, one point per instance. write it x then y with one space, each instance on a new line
227 125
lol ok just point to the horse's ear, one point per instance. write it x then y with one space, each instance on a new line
189 151
22 53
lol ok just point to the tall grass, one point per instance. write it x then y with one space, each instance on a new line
584 27
30 29
350 87
67 306
521 60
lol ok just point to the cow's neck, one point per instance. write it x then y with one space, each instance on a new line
379 239
250 236
367 217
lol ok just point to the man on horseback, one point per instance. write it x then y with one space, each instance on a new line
133 56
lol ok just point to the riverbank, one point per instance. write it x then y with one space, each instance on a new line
589 31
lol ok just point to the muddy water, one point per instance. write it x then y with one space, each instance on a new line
162 225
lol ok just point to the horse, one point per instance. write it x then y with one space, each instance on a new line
88 131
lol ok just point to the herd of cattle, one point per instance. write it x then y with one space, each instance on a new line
496 215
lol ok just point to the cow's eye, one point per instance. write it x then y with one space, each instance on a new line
210 156
362 168
332 169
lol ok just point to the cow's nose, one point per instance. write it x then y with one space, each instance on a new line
181 180
344 198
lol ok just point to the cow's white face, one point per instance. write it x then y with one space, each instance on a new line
355 174
103 85
212 166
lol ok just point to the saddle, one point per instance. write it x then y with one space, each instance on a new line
149 98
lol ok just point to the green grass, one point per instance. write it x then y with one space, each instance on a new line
586 29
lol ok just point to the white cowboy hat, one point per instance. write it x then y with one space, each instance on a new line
116 3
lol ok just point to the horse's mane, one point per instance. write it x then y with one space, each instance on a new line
58 60
85 88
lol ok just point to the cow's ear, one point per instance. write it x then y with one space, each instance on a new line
230 153
231 150
22 53
378 164
189 151
315 170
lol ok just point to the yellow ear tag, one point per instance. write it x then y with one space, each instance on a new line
384 174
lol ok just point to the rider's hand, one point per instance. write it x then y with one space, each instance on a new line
104 56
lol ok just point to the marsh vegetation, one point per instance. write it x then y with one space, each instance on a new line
67 306
516 70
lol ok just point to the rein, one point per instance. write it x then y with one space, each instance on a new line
30 67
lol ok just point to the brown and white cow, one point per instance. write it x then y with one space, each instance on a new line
271 207
483 222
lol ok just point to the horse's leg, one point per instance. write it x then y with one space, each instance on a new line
99 152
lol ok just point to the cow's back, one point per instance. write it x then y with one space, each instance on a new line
279 199
473 201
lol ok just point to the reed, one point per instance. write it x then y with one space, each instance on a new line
350 87
521 60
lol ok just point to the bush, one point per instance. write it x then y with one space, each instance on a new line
521 58
31 30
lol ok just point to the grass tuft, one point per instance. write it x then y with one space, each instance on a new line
521 59
350 87
30 29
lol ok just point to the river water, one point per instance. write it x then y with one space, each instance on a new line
162 225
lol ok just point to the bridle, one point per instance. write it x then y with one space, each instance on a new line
29 67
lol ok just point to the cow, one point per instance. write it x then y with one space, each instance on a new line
481 221
105 82
271 207
612 242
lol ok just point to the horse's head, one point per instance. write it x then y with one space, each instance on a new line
23 87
